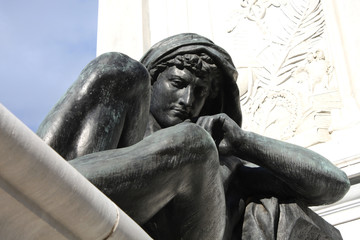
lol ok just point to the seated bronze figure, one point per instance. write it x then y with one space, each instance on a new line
162 138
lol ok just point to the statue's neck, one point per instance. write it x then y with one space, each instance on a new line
152 126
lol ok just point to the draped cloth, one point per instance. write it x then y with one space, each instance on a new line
269 219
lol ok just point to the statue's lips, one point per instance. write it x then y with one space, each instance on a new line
180 112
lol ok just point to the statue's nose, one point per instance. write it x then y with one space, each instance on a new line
187 96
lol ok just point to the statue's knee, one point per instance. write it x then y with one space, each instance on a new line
115 73
201 144
202 159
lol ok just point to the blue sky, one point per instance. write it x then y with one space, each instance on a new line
44 45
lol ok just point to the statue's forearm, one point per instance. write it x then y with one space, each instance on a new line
315 179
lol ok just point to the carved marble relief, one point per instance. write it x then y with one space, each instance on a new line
286 74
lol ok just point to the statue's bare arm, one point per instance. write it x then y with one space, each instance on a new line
102 109
308 175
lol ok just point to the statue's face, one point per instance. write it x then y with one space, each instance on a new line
178 95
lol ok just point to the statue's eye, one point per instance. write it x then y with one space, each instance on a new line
178 82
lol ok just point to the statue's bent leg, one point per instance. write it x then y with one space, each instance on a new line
110 98
177 165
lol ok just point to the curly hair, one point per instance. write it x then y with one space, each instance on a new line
199 64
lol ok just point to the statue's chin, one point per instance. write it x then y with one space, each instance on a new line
170 121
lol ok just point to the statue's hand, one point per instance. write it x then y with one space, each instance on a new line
223 130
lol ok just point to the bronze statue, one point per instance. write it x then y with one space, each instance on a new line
165 143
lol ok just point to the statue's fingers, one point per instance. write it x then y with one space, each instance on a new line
200 121
206 123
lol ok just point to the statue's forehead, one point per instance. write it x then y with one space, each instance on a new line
188 75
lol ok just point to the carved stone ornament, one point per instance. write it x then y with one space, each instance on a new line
288 72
